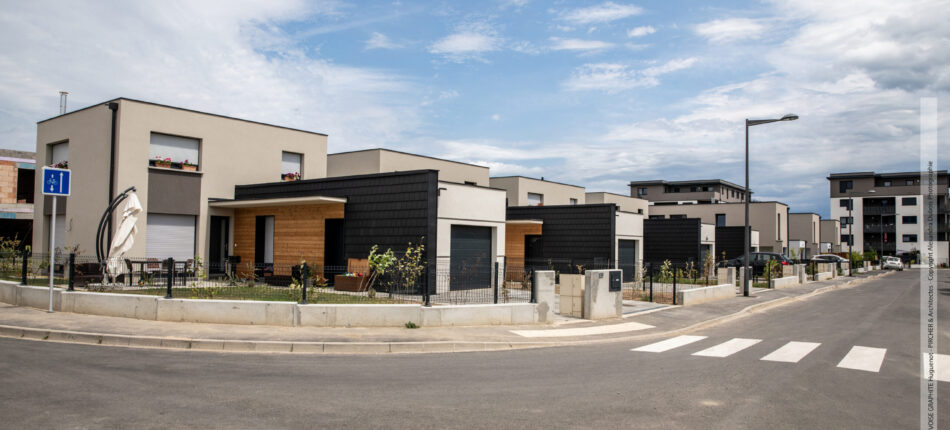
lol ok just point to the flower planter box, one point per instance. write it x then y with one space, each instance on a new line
190 167
163 165
350 283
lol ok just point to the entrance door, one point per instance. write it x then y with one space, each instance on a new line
218 244
533 251
470 264
627 259
334 259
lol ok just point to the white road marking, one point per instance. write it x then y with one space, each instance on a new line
941 366
792 352
864 358
728 348
584 331
669 344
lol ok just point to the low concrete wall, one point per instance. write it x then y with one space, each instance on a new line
786 282
109 304
696 296
8 293
226 312
38 297
823 276
359 315
544 289
444 316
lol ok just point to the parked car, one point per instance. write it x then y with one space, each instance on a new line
893 263
759 260
829 258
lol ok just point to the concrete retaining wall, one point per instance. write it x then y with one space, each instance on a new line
696 296
248 312
786 282
823 276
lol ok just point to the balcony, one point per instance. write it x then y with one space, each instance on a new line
878 228
889 247
879 210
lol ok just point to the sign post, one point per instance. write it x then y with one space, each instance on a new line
55 183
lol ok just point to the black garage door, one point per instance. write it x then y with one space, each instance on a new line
627 259
470 263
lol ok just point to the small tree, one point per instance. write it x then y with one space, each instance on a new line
379 264
708 264
409 267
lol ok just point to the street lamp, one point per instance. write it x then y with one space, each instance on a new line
748 234
851 233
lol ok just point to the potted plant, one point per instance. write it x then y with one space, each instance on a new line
290 176
62 164
163 162
185 165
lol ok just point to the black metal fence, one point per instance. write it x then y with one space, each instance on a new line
659 282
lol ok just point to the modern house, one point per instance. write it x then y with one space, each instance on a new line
17 173
887 211
830 236
678 240
805 228
179 160
550 224
770 219
660 192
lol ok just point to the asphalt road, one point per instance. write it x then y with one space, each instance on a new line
50 385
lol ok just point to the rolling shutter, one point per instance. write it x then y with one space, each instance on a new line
170 236
470 263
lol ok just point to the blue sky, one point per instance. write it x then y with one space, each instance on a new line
589 93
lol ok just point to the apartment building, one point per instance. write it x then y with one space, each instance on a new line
805 228
769 219
660 192
17 173
830 236
885 212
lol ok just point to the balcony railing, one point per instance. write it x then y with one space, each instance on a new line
877 228
879 210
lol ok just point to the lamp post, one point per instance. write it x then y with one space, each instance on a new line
747 196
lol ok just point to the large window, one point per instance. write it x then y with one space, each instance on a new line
909 201
844 186
642 191
59 155
845 203
535 199
910 238
909 219
846 239
170 236
845 220
173 151
720 220
573 201
291 166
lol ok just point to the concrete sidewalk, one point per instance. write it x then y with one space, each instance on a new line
28 323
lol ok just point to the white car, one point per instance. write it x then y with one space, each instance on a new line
893 263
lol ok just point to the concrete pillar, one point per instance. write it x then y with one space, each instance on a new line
742 278
599 301
802 276
572 296
544 293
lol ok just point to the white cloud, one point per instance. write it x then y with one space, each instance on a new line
560 44
513 4
380 41
232 61
495 117
641 31
730 30
469 42
605 12
611 77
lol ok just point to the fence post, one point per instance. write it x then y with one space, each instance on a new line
534 287
305 282
495 282
768 279
674 284
171 277
425 292
651 282
72 271
26 262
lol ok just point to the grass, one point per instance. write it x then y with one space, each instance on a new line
268 294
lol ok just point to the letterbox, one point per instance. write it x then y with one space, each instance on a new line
615 281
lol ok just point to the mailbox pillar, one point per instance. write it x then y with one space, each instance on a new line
603 294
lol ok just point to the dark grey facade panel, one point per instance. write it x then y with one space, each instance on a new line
61 205
578 232
677 240
730 240
173 192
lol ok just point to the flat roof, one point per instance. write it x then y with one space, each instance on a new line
690 182
21 155
406 153
535 179
855 175
181 109
804 213
288 201
524 221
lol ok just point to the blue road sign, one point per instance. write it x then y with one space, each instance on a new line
56 181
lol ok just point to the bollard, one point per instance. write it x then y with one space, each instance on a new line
26 262
171 276
651 282
534 287
674 284
305 274
72 272
495 282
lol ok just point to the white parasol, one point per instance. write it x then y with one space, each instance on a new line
124 236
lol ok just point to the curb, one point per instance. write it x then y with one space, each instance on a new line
342 348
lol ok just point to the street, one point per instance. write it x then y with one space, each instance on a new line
794 366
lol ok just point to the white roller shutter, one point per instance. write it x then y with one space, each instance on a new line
179 149
290 162
170 236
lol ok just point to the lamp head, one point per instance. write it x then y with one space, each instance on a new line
789 117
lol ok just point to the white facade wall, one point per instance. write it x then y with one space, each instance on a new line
629 227
470 205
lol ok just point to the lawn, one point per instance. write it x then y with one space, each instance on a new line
269 294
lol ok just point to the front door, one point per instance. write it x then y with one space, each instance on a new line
533 251
334 259
627 259
218 244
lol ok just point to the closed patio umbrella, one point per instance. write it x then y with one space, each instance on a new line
124 236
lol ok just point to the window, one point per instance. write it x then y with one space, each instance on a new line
678 216
844 186
59 155
642 191
845 220
909 201
170 236
909 219
178 150
676 189
707 188
909 182
657 217
845 203
720 220
910 238
846 239
778 227
692 189
291 166
887 183
573 201
535 199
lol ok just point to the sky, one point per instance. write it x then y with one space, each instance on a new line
595 94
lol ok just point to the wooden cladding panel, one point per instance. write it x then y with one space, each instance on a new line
299 233
514 241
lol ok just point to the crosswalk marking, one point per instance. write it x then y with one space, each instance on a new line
669 344
941 365
792 352
864 358
728 348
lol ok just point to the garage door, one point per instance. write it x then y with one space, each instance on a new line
627 259
470 264
170 236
